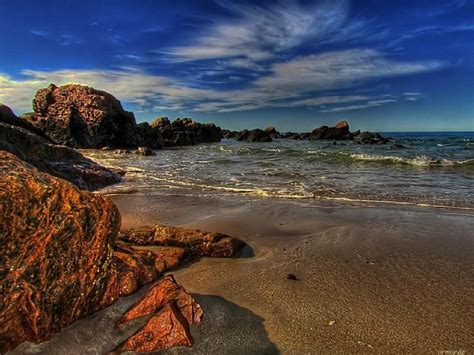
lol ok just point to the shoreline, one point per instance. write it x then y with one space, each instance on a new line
370 280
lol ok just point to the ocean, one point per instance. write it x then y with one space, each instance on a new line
421 169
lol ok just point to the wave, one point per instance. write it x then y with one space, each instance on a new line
421 161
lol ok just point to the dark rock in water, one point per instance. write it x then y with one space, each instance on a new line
291 135
370 138
61 261
208 133
82 117
122 151
339 132
229 134
144 151
57 160
272 132
149 136
183 132
255 135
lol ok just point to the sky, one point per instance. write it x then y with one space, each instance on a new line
381 65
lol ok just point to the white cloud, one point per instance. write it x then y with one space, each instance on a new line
301 82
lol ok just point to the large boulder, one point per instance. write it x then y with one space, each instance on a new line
338 132
61 161
56 252
255 135
82 117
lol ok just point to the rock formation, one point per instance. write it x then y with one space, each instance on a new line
369 138
255 135
338 132
82 117
63 259
182 132
150 136
20 138
272 132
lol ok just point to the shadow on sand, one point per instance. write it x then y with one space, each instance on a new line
227 329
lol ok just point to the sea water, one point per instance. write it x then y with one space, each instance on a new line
433 169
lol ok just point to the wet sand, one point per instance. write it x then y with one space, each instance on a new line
371 279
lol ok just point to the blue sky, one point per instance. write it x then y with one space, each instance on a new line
381 65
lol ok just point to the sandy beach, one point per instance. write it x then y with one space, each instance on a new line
371 279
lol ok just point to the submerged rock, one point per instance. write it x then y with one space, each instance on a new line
83 117
57 160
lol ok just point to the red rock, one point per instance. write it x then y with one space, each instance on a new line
56 252
164 330
195 242
158 295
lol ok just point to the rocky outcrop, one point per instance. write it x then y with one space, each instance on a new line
183 132
272 132
338 132
62 260
61 161
149 136
255 135
82 117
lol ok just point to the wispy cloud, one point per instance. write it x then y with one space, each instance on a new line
40 33
259 32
